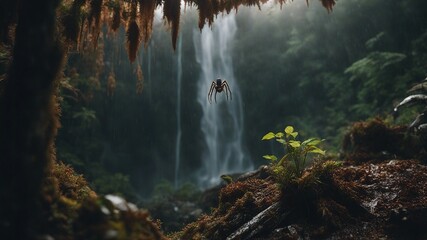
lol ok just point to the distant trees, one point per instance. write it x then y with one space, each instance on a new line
326 70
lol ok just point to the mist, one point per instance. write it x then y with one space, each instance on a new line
284 66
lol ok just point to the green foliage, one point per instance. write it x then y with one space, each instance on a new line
372 75
227 179
86 117
292 164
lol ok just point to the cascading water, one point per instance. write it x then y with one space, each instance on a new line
178 111
222 122
149 73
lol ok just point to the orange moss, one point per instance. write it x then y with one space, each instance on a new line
385 188
74 211
376 140
146 16
79 25
238 203
139 80
70 184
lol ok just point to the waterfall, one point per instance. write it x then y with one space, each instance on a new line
149 73
222 122
178 111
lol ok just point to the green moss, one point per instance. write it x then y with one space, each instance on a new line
75 211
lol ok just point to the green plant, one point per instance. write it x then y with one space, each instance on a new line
292 164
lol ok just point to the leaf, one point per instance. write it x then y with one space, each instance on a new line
317 150
314 142
294 134
281 140
270 157
268 136
295 144
308 141
289 130
279 135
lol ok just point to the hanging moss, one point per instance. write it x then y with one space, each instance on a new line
146 16
115 24
132 36
71 23
95 13
328 4
140 15
172 12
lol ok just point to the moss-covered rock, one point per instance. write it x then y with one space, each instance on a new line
377 140
74 211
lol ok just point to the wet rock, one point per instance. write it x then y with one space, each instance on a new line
386 200
385 188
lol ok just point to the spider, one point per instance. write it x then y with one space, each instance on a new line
218 85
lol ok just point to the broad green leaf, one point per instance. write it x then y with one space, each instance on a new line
294 134
317 150
308 140
268 136
289 130
270 157
295 144
279 135
314 142
281 140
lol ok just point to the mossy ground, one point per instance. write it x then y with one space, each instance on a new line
74 211
377 193
371 195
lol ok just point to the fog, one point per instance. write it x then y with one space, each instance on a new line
286 65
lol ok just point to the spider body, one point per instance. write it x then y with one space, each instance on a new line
218 86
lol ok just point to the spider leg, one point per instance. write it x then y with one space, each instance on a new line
227 90
215 95
224 86
210 92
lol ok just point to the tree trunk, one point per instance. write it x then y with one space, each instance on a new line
28 119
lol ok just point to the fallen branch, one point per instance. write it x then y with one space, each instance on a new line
268 217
